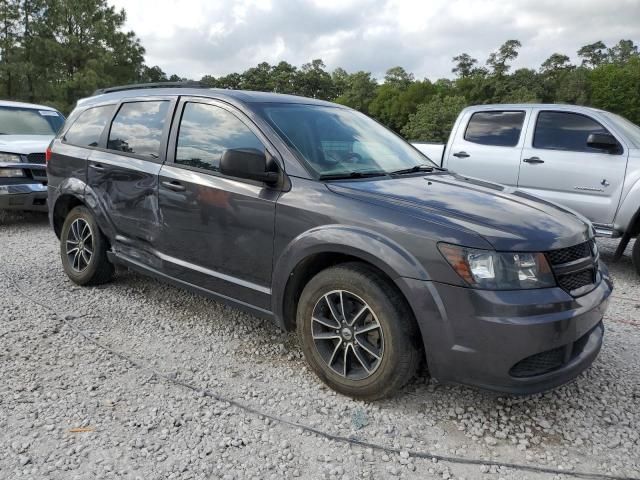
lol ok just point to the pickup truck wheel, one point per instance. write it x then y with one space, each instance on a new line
635 255
357 333
83 249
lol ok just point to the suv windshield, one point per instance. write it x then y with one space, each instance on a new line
631 130
29 121
338 142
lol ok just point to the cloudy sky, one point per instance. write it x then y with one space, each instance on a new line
197 37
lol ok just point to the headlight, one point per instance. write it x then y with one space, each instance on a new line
11 172
9 157
491 270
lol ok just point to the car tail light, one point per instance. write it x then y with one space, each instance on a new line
47 155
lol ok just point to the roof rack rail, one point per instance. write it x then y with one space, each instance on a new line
136 86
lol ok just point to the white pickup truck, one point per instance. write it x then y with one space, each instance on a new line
580 157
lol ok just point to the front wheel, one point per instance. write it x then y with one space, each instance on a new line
357 332
83 249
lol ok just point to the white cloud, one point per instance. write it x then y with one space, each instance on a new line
197 37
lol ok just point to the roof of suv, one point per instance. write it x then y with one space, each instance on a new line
8 103
241 96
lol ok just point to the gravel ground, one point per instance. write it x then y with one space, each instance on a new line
140 425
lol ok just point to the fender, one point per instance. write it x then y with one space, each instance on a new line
70 186
406 272
628 218
362 243
629 206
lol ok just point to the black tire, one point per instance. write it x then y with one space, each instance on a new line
635 255
97 269
400 354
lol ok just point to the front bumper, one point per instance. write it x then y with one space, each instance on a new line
518 342
24 196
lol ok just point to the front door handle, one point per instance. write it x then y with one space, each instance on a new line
533 160
461 154
175 186
98 167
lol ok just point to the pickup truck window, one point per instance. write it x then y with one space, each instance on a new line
206 131
497 128
565 131
87 129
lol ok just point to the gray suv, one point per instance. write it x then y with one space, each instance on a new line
315 216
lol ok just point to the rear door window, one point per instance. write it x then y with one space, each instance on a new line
137 128
497 128
87 129
565 131
206 131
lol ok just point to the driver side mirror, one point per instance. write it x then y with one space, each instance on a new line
603 141
248 163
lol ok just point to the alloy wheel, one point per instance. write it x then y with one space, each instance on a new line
347 334
79 246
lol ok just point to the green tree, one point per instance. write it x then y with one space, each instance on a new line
615 88
358 91
233 81
464 65
258 78
572 86
594 54
556 62
398 78
283 78
498 61
314 81
152 74
9 54
434 120
77 46
622 52
209 80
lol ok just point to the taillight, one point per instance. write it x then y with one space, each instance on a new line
47 155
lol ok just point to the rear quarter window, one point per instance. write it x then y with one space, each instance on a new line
497 128
88 127
137 128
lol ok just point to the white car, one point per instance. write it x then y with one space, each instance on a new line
25 133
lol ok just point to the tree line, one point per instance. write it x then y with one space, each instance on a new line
57 51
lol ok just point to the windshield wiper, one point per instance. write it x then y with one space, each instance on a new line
354 174
415 169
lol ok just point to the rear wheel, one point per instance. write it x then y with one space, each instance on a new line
357 332
635 255
83 249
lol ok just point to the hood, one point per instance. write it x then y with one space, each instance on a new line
24 144
509 219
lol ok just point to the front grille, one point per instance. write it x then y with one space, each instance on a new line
571 254
570 272
36 158
573 281
539 363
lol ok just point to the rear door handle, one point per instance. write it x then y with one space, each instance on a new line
461 154
175 186
98 167
533 160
